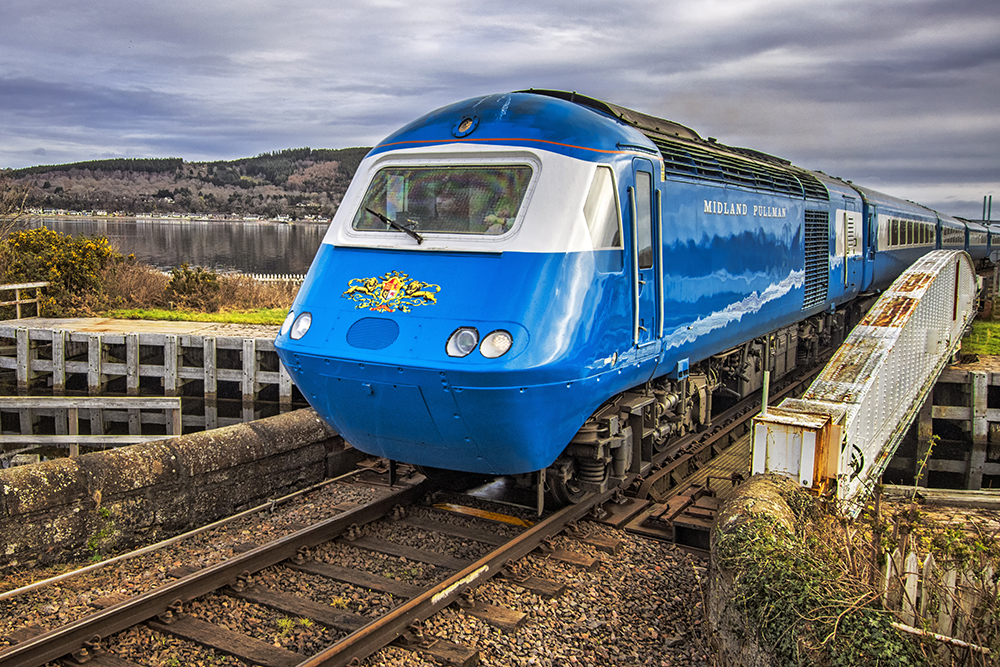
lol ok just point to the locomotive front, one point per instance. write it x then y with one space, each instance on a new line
467 308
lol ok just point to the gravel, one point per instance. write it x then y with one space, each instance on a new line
641 606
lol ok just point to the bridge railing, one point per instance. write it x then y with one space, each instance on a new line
848 424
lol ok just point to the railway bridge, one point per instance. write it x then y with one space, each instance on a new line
845 429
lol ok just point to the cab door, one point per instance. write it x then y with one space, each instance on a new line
870 247
850 230
645 258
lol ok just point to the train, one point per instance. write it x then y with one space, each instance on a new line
544 281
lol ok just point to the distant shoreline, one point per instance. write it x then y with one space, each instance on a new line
175 217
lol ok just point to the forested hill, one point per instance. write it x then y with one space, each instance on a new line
297 183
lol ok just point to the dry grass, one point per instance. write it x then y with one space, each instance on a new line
237 292
135 285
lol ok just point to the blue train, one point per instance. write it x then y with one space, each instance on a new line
542 280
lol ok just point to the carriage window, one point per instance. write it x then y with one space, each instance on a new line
601 211
644 218
893 232
454 199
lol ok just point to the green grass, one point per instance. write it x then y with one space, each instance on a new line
263 316
983 339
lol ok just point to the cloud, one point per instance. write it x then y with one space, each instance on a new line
901 92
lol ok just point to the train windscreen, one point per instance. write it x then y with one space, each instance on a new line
452 199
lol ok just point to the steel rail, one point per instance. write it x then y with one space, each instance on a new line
67 639
172 540
379 633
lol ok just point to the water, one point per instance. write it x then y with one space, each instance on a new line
248 247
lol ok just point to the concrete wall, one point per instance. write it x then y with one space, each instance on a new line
117 499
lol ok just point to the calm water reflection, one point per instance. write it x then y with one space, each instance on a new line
250 247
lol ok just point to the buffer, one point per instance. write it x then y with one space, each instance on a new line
842 433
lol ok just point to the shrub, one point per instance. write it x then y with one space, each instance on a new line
73 265
196 289
801 594
89 277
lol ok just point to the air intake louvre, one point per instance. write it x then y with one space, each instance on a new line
686 159
817 257
372 333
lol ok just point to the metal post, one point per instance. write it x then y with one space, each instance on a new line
767 375
541 491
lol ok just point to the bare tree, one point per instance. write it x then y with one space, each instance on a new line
12 200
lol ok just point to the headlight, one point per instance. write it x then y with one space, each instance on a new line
462 342
496 344
287 324
301 325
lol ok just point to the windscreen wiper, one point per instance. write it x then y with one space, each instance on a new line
395 225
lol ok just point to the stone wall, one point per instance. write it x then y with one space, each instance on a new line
114 500
763 496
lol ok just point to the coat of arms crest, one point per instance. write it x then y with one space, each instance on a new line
393 291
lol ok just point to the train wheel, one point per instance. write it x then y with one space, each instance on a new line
563 481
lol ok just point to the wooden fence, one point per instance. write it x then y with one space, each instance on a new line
222 380
942 600
278 277
18 301
66 412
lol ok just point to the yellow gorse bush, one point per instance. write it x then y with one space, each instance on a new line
72 264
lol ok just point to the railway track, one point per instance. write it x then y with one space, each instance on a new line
171 609
348 637
675 500
673 467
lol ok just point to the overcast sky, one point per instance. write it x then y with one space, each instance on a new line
899 95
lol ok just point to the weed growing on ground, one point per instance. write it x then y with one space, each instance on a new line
792 589
984 338
817 596
106 530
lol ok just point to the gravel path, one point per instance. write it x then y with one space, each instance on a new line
642 606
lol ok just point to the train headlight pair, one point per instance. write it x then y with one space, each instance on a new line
296 326
464 340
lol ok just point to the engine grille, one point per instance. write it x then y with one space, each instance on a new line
817 257
372 333
738 167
